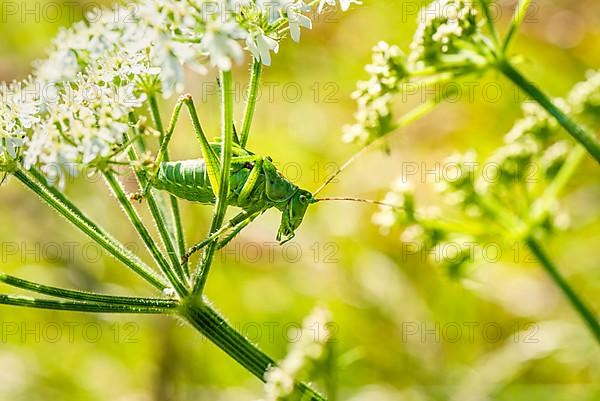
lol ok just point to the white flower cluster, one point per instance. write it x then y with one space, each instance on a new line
374 96
74 110
84 126
344 4
401 196
83 92
507 181
584 99
280 380
446 27
127 41
219 29
18 113
536 122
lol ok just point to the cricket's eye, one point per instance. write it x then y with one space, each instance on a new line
303 199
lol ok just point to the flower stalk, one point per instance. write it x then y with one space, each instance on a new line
73 306
86 296
584 311
251 102
221 202
141 229
175 211
75 217
159 217
518 19
575 130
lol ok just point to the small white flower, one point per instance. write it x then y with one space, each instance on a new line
441 24
344 4
374 97
219 45
169 293
260 45
279 380
296 19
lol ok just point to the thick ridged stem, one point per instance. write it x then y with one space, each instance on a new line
211 324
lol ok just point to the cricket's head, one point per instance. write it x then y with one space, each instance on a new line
293 213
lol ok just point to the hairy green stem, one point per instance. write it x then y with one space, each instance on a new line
29 302
35 173
585 313
85 296
211 324
222 198
579 133
135 219
159 220
76 217
176 214
251 101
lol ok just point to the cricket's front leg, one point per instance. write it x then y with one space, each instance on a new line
241 219
250 183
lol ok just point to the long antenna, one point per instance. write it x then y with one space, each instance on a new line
350 199
406 119
348 162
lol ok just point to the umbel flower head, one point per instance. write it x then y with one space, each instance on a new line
74 111
130 43
19 107
280 380
448 32
503 196
219 29
584 99
374 97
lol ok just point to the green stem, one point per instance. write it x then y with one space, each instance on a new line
159 220
76 217
86 296
580 134
175 211
543 203
485 5
585 313
211 324
251 102
518 19
222 198
35 173
135 219
29 302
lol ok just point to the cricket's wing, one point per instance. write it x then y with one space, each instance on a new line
187 180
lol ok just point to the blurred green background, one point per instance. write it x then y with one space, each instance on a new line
387 306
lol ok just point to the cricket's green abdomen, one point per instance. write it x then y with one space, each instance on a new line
189 180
